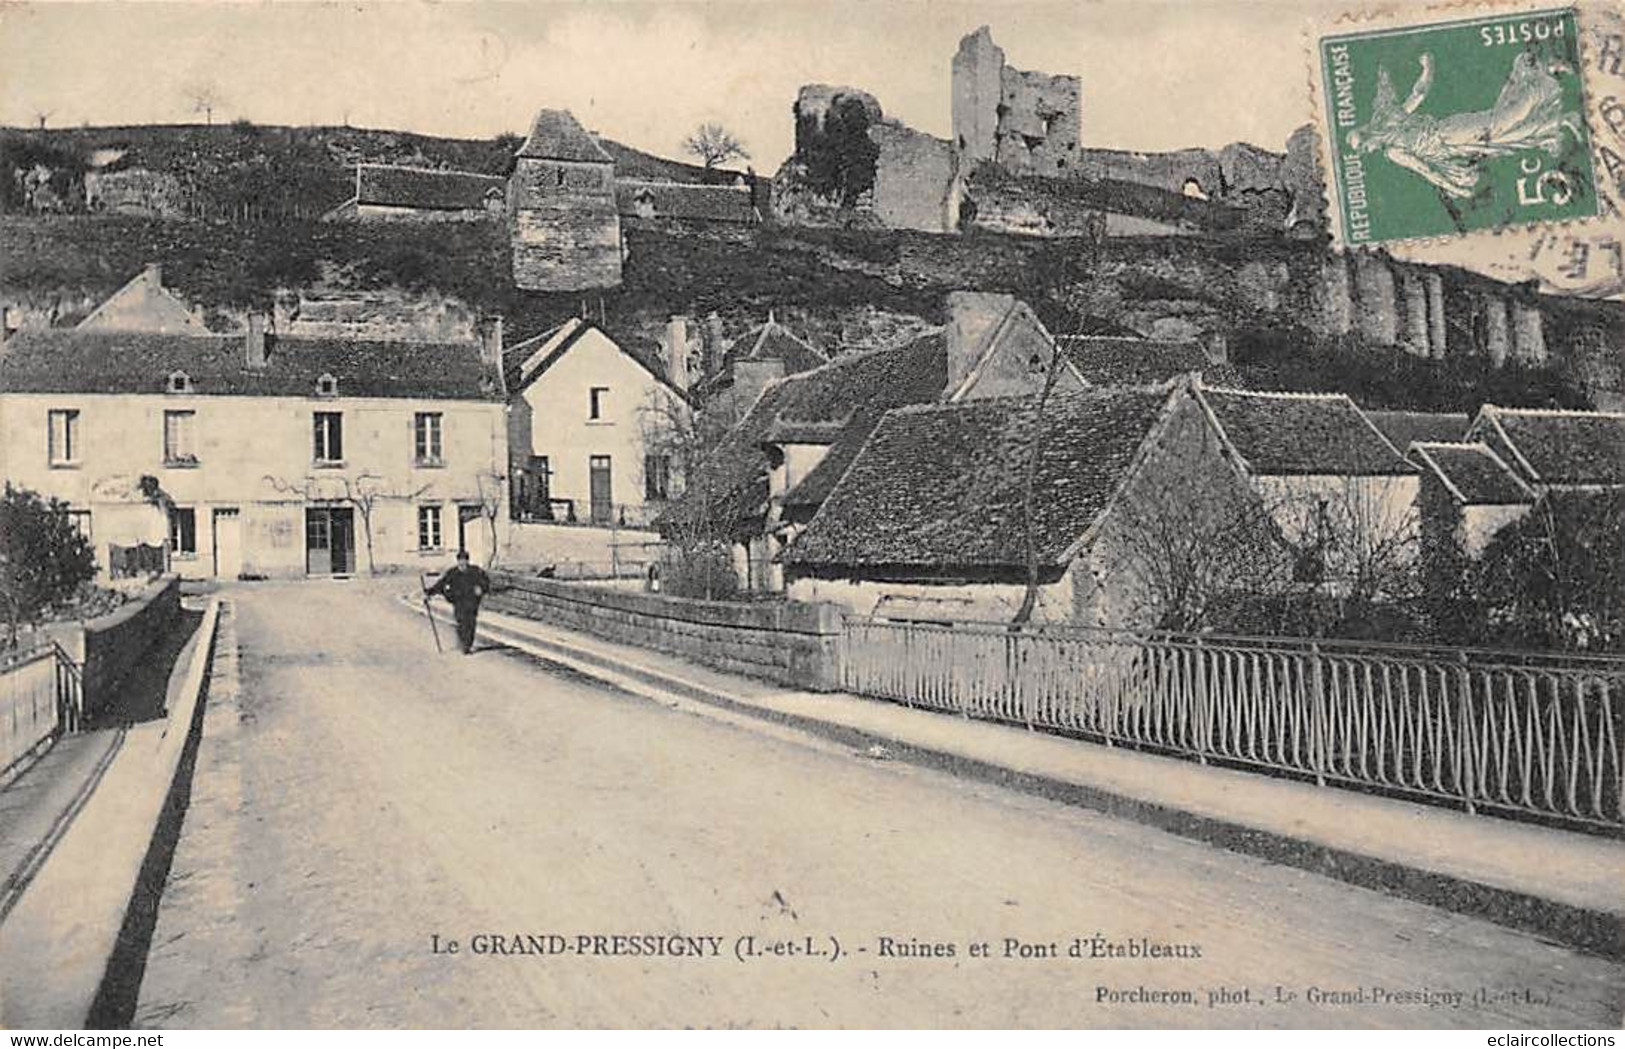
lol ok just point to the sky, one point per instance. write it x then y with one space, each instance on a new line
1155 75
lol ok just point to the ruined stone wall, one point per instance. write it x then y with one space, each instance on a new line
1039 123
565 226
135 191
914 179
1170 171
387 316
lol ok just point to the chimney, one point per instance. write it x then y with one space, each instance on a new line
972 317
715 344
1216 347
254 341
677 351
11 321
491 342
154 274
751 378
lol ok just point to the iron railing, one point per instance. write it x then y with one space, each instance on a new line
41 697
1502 732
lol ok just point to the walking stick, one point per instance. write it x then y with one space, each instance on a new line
427 611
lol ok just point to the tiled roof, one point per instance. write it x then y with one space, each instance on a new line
403 187
556 135
685 200
858 388
1110 361
1562 447
1405 428
1303 433
863 387
1473 474
942 485
65 361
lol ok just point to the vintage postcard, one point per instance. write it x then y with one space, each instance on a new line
976 514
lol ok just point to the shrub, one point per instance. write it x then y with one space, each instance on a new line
43 558
1556 578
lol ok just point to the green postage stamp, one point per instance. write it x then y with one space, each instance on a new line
1446 127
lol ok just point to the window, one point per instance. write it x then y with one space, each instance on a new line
595 401
656 477
183 531
329 443
180 438
180 382
64 439
327 386
80 520
426 436
428 528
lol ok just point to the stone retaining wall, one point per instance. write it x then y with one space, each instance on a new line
108 647
790 642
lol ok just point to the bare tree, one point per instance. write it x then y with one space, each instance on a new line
364 492
1188 547
489 487
1358 542
696 522
714 145
204 96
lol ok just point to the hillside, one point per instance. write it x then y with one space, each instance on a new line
267 171
841 288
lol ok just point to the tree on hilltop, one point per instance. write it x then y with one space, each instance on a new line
714 145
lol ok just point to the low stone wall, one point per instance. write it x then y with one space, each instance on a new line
790 643
108 647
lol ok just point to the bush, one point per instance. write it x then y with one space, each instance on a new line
43 558
1556 578
706 573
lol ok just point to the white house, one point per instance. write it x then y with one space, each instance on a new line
1336 486
589 426
250 455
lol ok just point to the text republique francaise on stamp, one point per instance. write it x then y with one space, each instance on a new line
1450 125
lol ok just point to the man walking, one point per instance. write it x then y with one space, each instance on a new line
464 586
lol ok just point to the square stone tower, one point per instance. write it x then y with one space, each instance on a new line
1028 123
563 222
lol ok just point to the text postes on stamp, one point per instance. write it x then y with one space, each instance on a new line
1446 127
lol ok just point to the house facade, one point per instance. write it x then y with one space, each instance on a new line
592 427
1339 491
252 456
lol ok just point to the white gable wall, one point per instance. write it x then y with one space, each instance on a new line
560 402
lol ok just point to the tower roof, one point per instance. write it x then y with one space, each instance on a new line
557 135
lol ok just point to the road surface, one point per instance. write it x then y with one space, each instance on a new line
380 836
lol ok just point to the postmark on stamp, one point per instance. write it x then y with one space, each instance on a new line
1450 126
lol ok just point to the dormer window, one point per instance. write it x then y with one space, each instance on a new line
179 382
327 386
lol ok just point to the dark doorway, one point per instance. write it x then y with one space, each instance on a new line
329 540
603 504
